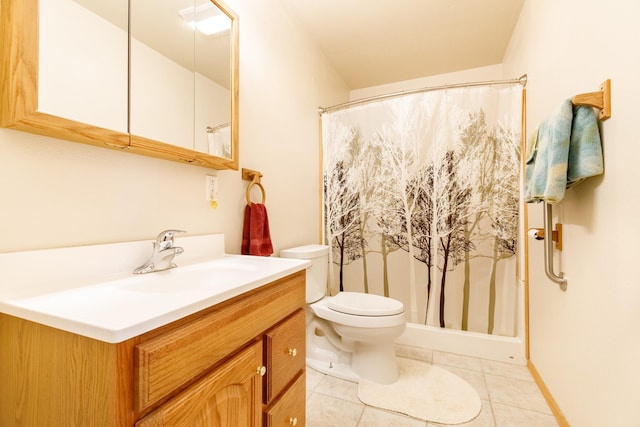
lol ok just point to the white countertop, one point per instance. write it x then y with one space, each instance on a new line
121 305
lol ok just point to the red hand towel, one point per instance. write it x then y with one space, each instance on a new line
256 238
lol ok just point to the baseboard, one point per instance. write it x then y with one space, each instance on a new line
553 405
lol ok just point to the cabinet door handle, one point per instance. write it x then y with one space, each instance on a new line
293 421
261 370
293 352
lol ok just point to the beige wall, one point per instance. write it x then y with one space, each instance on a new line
585 341
55 193
480 74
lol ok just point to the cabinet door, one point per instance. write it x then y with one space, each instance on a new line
289 410
284 354
227 397
64 70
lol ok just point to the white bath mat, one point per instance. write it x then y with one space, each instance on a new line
426 392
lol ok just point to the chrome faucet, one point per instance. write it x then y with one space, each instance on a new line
163 253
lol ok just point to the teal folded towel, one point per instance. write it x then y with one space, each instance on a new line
563 151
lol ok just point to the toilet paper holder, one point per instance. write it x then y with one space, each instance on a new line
556 235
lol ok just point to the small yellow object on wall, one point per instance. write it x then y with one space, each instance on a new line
212 190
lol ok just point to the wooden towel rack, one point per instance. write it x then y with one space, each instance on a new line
254 177
600 99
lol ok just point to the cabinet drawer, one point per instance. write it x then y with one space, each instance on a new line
229 396
289 410
169 362
284 354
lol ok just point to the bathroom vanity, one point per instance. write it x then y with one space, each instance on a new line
237 362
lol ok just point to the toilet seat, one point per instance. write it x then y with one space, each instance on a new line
323 311
362 304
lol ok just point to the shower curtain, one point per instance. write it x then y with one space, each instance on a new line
421 200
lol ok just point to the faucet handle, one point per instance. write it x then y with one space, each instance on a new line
165 238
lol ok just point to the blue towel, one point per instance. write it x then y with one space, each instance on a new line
585 148
563 151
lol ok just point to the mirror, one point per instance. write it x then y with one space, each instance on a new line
71 87
181 74
164 89
81 53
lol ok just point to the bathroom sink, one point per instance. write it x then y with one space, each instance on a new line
216 274
118 306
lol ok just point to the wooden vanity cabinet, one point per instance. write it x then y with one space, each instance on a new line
238 363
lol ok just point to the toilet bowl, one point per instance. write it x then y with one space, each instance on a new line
349 335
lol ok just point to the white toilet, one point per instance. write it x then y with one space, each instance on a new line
350 335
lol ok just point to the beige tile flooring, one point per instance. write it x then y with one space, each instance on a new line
510 397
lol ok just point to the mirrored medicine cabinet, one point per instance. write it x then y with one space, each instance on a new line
158 78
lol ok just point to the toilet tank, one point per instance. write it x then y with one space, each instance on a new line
317 273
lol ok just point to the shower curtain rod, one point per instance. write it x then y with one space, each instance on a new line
522 80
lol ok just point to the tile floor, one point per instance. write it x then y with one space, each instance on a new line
510 397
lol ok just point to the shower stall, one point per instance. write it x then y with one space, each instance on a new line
422 204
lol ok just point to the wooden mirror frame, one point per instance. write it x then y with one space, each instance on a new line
19 94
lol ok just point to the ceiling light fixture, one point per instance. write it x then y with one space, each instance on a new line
206 18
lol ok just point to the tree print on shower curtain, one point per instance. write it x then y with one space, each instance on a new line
433 176
494 178
400 148
345 225
503 209
340 194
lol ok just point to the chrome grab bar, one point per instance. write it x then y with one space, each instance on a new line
548 249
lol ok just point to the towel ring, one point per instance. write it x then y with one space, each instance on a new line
264 194
254 177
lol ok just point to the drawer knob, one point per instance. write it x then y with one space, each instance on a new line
293 352
293 421
261 370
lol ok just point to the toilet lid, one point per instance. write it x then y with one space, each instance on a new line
364 304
